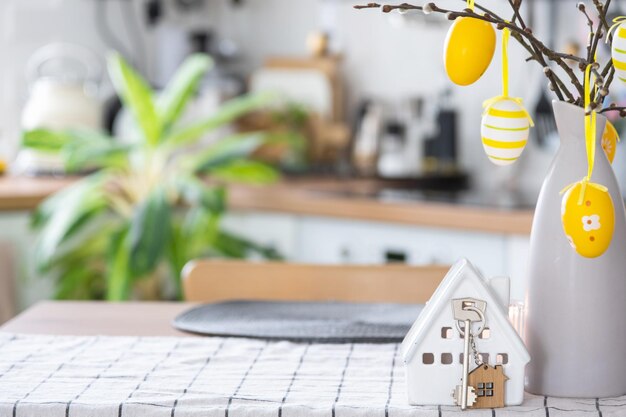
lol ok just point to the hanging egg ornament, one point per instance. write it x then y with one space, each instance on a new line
588 223
504 130
609 141
618 51
468 50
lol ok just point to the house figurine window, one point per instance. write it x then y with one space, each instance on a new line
485 389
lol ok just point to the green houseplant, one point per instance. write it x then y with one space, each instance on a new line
148 206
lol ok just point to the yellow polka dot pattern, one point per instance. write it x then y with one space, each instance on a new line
588 224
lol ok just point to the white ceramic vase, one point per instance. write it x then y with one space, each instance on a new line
575 327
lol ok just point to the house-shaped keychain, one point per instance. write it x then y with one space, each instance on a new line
433 348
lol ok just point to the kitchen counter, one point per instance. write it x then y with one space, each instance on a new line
348 199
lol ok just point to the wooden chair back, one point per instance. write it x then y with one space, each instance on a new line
212 280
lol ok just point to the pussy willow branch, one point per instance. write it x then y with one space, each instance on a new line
526 33
613 107
602 10
581 7
516 13
538 51
608 71
556 84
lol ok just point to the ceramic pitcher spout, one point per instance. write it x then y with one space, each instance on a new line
575 306
570 121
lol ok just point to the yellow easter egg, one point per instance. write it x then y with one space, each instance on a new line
504 130
609 141
589 225
468 50
618 52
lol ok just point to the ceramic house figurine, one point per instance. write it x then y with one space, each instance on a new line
433 350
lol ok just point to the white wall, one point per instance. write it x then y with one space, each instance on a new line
384 58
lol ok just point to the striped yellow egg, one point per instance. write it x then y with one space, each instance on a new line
504 131
618 52
609 141
589 225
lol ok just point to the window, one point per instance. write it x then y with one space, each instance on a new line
428 358
460 358
446 333
485 389
484 357
502 359
485 334
446 358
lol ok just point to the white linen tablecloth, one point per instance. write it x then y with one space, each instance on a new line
227 377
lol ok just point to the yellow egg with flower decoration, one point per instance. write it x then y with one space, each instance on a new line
609 141
588 220
618 50
468 50
504 130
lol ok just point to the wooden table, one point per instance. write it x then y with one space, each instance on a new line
98 318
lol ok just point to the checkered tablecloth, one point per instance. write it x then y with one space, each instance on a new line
154 376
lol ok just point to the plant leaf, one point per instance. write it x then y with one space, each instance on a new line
149 232
136 96
66 213
80 148
180 89
247 172
200 228
226 151
75 283
45 140
88 152
234 246
229 112
119 278
197 193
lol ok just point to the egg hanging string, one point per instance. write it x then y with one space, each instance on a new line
506 34
590 140
470 4
616 22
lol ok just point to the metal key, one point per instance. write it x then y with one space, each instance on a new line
468 311
465 309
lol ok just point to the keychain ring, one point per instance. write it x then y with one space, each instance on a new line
482 321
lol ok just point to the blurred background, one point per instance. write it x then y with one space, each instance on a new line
389 167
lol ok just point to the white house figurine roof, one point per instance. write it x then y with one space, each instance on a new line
463 280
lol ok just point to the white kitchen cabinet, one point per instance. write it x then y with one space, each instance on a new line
272 229
327 240
324 240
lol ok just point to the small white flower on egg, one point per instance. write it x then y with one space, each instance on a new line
591 222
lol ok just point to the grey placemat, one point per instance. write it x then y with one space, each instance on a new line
320 322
